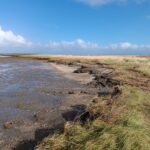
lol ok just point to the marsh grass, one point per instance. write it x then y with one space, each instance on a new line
140 65
127 129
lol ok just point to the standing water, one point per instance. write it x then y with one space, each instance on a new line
29 97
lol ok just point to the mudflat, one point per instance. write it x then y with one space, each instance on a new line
35 97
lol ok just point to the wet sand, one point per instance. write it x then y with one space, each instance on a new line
67 72
36 96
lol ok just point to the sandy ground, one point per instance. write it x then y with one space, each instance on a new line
67 72
4 56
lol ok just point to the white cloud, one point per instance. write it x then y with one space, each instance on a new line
8 38
124 45
148 17
103 2
80 44
11 42
76 44
128 46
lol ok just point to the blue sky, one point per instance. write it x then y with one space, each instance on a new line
75 26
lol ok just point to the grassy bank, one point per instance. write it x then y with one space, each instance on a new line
123 125
113 123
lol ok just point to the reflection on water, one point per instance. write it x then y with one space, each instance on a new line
26 89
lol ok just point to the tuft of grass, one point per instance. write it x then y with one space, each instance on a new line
145 69
56 142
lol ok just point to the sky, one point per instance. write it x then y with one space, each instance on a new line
75 26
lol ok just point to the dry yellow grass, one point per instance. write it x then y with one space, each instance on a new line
99 57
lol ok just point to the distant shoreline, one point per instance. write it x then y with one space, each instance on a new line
80 57
4 56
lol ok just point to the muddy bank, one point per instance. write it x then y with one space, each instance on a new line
35 98
96 81
105 80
